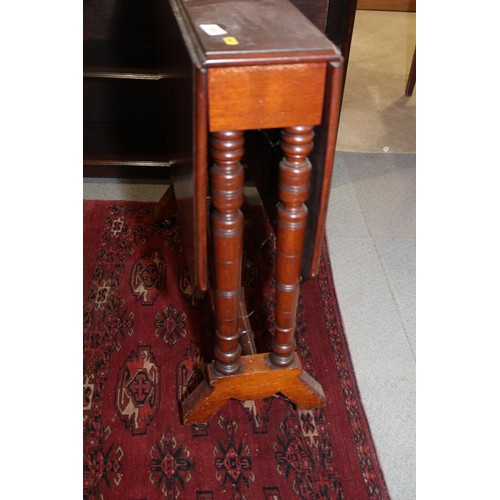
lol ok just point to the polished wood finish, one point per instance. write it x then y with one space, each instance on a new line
256 97
126 60
265 76
227 180
263 42
412 76
188 134
395 5
258 379
124 83
315 11
266 31
126 40
117 166
322 157
295 171
272 69
341 15
121 129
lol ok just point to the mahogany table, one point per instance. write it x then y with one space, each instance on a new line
255 64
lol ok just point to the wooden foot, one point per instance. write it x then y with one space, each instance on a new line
258 378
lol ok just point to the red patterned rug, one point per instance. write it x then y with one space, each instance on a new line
145 348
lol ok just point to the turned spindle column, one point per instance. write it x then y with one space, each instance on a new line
293 191
227 179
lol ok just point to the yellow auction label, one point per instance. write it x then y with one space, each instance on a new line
230 40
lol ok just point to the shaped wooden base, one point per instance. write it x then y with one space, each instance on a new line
257 379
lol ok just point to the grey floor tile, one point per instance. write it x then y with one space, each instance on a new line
367 302
398 259
398 459
382 357
345 217
371 233
385 185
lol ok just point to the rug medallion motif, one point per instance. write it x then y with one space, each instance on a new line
146 345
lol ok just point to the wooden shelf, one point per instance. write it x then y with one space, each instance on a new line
130 73
132 55
126 90
125 127
124 60
124 139
113 147
127 167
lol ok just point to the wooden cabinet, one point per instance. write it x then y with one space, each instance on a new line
126 90
135 104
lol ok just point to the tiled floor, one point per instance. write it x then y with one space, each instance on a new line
371 231
371 226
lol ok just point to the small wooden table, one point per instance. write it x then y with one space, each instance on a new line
256 64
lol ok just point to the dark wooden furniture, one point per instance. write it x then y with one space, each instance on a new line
412 75
126 91
252 65
131 82
394 5
162 96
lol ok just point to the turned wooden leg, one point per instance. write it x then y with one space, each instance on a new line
227 179
293 190
255 376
